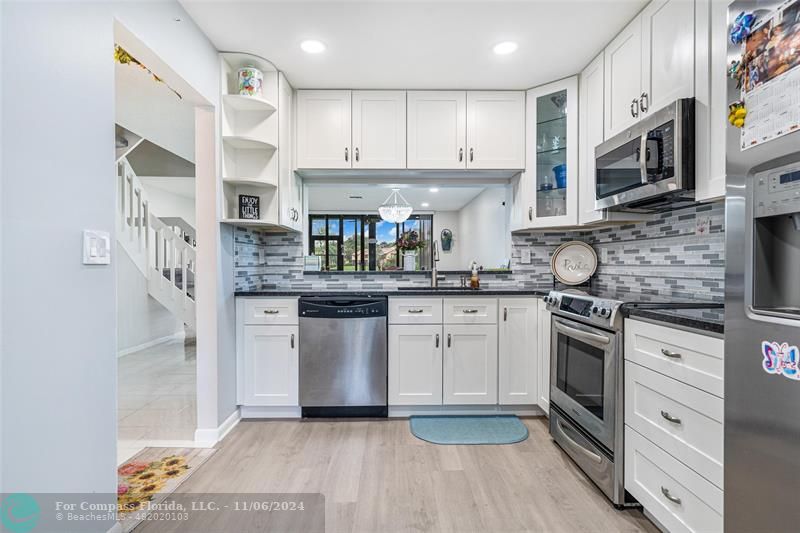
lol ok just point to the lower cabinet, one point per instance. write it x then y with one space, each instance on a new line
544 357
271 366
470 364
415 364
518 361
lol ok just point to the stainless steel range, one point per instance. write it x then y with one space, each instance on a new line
586 398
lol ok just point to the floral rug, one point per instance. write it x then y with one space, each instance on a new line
150 476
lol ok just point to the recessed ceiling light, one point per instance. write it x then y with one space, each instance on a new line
425 204
312 46
504 48
433 189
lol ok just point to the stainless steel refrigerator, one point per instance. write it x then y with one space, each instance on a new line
762 280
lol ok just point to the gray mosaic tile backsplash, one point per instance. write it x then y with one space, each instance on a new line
681 253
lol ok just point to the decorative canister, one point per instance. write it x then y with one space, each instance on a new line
250 80
410 261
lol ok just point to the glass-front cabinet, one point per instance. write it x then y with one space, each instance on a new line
547 192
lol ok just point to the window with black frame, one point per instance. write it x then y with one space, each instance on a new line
366 242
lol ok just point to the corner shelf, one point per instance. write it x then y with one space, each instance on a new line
247 143
248 103
250 182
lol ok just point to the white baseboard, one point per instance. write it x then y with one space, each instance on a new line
257 411
155 342
207 438
404 411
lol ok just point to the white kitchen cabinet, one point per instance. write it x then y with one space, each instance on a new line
290 186
324 129
495 129
437 129
668 53
548 189
544 357
415 364
379 129
518 355
470 364
270 376
591 134
623 78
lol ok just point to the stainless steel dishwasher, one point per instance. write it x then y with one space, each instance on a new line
343 356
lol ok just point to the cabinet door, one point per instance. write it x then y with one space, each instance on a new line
518 356
495 129
623 78
270 375
544 357
288 183
415 365
437 129
667 53
552 165
470 364
379 129
591 134
323 129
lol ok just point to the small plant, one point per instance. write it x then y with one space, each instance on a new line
409 241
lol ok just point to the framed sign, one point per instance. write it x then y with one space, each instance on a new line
249 208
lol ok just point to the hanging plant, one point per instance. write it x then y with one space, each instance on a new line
122 57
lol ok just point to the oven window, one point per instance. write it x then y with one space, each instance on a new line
619 170
580 372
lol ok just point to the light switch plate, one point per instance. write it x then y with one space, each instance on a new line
702 226
96 247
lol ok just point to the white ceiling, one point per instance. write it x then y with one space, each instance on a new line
336 198
437 44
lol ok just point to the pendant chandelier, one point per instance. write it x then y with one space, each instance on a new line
395 209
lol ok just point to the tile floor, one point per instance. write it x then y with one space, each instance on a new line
157 403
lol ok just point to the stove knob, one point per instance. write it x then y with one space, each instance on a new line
604 312
595 310
548 300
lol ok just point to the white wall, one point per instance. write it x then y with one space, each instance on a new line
141 320
484 227
448 260
60 364
165 203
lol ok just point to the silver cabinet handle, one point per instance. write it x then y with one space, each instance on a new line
668 417
449 340
505 314
634 108
674 355
471 155
644 103
357 154
670 497
460 155
271 311
469 311
437 340
530 213
415 311
347 154
292 340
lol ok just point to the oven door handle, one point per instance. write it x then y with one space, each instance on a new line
580 334
590 454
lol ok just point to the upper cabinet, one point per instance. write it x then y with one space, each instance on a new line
546 194
650 63
437 129
379 129
495 129
290 185
591 134
323 129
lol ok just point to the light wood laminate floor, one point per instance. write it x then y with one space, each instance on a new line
376 476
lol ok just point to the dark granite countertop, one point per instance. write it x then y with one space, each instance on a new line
399 273
422 291
710 319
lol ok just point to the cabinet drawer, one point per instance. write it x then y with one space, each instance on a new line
415 310
679 498
688 357
683 420
470 311
278 311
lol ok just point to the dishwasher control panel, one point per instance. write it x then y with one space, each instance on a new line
361 307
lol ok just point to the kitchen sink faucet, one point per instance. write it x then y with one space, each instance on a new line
435 277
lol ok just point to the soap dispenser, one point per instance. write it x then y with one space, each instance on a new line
474 281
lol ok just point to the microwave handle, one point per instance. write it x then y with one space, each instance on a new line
643 158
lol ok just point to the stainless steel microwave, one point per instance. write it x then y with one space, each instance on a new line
650 166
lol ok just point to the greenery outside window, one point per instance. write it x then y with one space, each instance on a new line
366 242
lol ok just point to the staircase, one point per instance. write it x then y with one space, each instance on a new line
162 249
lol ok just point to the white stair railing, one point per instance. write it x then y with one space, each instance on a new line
162 255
